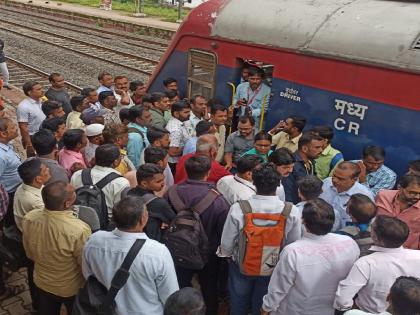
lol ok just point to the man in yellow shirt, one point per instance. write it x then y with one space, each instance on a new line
53 239
118 134
286 133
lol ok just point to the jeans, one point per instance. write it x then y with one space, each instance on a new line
51 304
5 73
208 278
245 290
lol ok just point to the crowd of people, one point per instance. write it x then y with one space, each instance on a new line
259 222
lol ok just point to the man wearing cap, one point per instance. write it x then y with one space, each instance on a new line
94 135
93 115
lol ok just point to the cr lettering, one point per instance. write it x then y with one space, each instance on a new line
351 127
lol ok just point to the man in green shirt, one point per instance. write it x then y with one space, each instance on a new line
330 156
160 105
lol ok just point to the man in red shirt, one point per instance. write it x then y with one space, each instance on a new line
403 204
206 145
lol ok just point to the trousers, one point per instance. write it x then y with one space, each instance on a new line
51 304
208 278
246 292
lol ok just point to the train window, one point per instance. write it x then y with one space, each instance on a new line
201 73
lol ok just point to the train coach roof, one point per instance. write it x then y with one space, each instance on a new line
373 31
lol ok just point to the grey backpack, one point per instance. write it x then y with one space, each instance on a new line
91 195
186 238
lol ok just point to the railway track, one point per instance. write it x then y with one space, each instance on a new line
130 39
21 73
116 57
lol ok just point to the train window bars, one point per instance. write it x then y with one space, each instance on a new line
201 73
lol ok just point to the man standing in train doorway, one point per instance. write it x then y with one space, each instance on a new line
253 97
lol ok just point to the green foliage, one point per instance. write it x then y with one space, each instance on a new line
152 8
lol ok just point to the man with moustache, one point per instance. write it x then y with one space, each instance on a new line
403 204
252 95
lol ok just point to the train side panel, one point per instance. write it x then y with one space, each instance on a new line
365 104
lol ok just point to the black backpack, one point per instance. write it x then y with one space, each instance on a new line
94 298
186 238
90 195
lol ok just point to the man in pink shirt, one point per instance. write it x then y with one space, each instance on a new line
404 204
70 157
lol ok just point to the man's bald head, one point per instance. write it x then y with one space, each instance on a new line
207 145
350 166
361 208
58 195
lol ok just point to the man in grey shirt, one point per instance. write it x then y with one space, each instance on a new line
45 145
57 92
240 141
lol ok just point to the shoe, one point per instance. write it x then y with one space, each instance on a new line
7 87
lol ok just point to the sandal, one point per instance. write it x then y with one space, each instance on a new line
12 290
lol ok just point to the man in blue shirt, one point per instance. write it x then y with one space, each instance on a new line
140 118
203 127
9 162
251 96
374 174
338 189
106 82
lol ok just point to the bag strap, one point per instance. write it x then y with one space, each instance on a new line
124 192
148 197
206 201
107 179
287 209
176 201
245 206
121 276
86 177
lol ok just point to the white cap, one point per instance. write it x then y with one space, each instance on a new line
94 130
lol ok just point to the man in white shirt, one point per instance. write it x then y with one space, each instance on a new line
338 189
245 290
107 157
179 135
239 186
373 275
152 275
310 269
404 298
122 92
198 110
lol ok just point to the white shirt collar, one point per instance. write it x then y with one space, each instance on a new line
376 248
129 235
106 169
244 181
261 197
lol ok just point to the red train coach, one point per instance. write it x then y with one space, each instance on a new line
354 65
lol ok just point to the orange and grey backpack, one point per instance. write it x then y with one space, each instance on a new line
260 246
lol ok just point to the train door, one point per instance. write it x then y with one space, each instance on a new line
265 102
201 73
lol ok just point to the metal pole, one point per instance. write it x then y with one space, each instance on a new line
139 8
180 5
